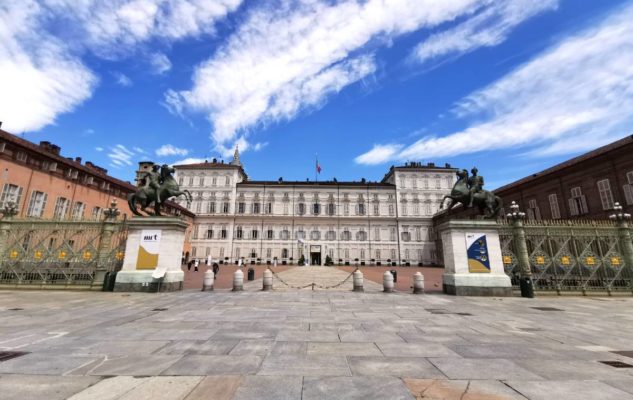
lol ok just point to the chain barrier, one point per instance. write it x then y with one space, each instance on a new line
313 284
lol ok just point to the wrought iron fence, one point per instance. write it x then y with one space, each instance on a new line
569 255
60 253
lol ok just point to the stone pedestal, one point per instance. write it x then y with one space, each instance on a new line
472 259
153 255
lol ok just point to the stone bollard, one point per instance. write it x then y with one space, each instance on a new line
238 280
358 281
418 283
268 280
387 282
207 284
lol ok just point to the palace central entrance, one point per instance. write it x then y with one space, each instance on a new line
315 255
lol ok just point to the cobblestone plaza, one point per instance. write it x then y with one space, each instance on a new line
304 344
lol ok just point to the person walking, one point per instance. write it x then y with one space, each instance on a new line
189 265
216 269
195 266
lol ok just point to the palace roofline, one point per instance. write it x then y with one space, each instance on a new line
570 163
418 166
314 183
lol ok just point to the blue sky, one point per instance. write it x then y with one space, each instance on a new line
512 86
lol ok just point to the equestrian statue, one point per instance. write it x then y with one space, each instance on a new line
156 188
469 191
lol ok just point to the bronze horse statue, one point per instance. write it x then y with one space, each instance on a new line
146 195
488 203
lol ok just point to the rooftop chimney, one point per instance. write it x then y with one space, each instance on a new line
78 160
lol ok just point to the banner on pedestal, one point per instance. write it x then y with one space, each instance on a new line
148 249
477 251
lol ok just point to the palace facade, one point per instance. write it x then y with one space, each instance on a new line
360 222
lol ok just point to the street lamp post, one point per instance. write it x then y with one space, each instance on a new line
622 222
525 281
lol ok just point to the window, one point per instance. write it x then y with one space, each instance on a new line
284 253
346 209
577 202
285 234
96 212
301 209
10 193
404 209
211 207
392 234
376 208
606 197
270 234
181 181
316 209
269 253
406 236
438 183
225 207
416 209
330 235
285 208
254 234
414 182
362 254
21 156
223 233
418 234
301 234
191 181
227 182
198 207
330 209
256 208
378 254
201 181
628 188
241 207
347 253
406 254
553 205
61 207
361 236
315 235
346 235
78 210
239 233
269 208
390 209
393 254
377 234
402 183
209 233
37 204
361 208
533 211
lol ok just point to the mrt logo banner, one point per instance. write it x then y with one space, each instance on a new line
477 251
148 249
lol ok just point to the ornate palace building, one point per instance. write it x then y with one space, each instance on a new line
386 222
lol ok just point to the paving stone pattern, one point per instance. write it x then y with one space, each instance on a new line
305 344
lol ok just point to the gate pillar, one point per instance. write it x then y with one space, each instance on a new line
472 258
153 255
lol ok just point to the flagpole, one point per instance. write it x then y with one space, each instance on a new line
316 167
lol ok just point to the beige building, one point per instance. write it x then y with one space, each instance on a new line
369 223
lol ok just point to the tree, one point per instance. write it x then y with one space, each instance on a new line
302 260
328 260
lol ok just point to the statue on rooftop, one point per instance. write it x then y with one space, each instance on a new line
469 191
157 189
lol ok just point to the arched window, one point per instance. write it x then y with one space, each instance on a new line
284 253
301 208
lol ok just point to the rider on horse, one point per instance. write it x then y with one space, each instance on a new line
152 180
475 184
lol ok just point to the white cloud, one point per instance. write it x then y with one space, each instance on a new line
139 150
41 72
122 79
171 150
290 57
379 154
120 156
160 63
189 161
99 149
227 151
488 27
39 78
573 96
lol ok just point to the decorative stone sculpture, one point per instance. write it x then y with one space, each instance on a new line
468 191
157 188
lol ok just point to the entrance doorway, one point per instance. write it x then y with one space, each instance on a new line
315 255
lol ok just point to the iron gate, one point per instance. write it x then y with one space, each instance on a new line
60 253
569 256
